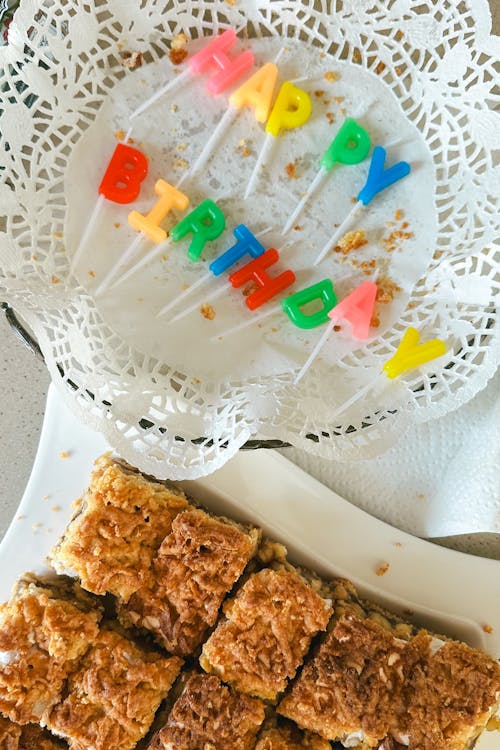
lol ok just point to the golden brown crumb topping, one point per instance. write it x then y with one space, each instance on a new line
450 697
121 521
178 51
351 241
196 566
288 737
207 311
29 737
210 716
351 684
114 695
386 290
270 625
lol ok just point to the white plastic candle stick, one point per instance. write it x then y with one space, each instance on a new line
356 396
92 221
339 232
315 352
180 297
124 259
315 184
264 152
156 253
247 323
208 298
224 124
170 86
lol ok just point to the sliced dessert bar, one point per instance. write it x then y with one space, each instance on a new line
28 737
269 627
211 716
118 527
45 627
284 735
196 566
112 698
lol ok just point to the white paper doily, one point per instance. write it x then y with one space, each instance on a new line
61 76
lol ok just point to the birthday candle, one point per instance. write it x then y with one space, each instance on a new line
268 286
409 355
121 184
214 53
148 226
256 93
356 308
291 110
378 179
350 146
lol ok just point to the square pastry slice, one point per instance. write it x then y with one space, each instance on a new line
452 694
112 698
28 737
119 524
45 628
269 627
350 690
196 566
284 735
210 716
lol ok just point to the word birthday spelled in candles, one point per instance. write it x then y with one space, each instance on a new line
205 223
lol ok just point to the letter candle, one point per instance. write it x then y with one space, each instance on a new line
217 267
257 93
409 355
357 308
243 235
378 179
121 183
214 53
148 226
291 110
350 146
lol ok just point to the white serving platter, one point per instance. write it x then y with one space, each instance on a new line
448 591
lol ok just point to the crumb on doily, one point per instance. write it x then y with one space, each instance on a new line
356 56
399 71
92 274
380 68
351 241
207 311
399 35
120 135
331 76
131 60
55 280
58 235
386 289
178 51
330 117
242 148
291 169
488 629
382 569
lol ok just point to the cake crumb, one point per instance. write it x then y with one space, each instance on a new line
21 518
55 508
55 280
298 228
398 214
58 235
131 60
338 99
399 35
331 76
178 51
375 321
92 274
117 225
351 241
386 290
382 569
230 2
174 107
487 629
242 148
399 71
291 170
207 311
319 93
64 454
180 164
398 545
380 68
330 117
181 146
395 238
119 135
356 56
37 525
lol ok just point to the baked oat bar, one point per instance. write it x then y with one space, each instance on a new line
196 566
210 716
28 737
45 628
112 698
269 627
286 736
119 524
452 694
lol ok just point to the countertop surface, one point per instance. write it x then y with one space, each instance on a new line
24 382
